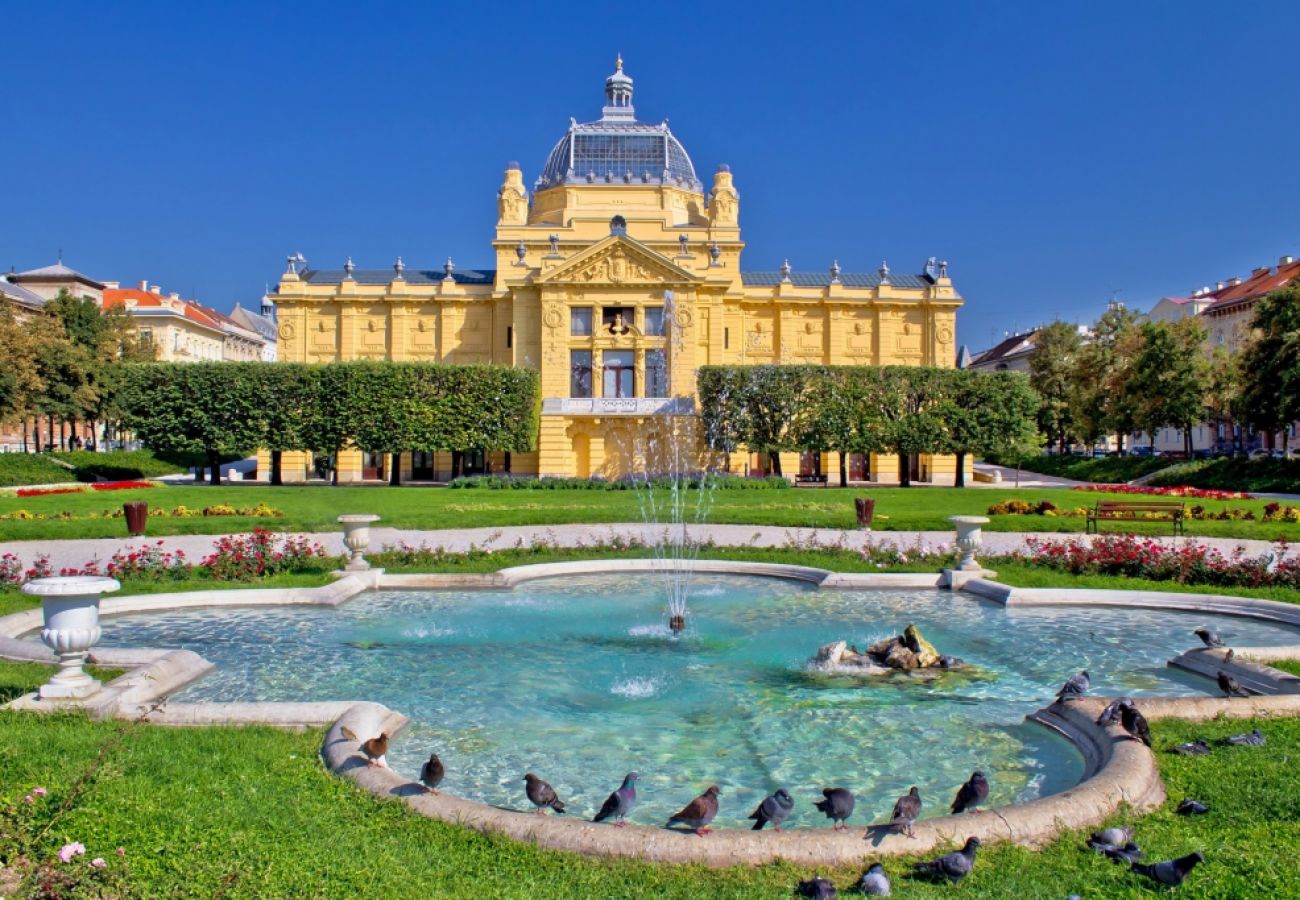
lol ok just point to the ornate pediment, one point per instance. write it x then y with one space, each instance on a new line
618 260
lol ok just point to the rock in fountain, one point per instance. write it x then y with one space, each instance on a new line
906 652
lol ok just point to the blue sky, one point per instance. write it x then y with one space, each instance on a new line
1052 152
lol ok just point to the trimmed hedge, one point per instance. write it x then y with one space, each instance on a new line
722 482
31 468
1105 470
118 465
1273 475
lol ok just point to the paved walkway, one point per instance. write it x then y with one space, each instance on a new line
76 553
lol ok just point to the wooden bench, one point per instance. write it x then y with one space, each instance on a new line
1136 511
810 479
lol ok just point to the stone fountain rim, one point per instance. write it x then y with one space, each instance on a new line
1118 771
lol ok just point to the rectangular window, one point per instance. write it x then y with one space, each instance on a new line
656 374
726 338
615 319
619 373
580 373
580 321
510 336
146 337
654 321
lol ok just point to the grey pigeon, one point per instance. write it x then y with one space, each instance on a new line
906 810
618 805
1129 853
1171 872
1198 747
774 808
953 866
699 812
542 795
432 773
1135 723
817 887
971 794
1075 687
874 883
1230 686
1190 807
838 805
1110 715
1113 837
1209 637
1255 738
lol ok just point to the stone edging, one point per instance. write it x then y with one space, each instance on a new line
1118 770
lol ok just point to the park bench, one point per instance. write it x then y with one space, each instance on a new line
810 479
1136 510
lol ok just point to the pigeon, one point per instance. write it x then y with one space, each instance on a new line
1135 723
1110 715
1190 807
1112 837
1075 687
1129 853
1209 637
1171 872
374 748
874 882
774 808
1229 685
700 811
906 810
971 794
542 795
1230 655
1198 747
838 805
817 887
431 774
618 805
954 866
1254 738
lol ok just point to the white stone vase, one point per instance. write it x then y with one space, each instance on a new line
356 537
71 607
969 539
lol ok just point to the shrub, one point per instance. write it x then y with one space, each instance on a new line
692 482
118 465
244 557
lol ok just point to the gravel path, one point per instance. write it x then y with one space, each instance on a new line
75 553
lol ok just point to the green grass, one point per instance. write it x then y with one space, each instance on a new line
31 468
1287 665
251 812
18 678
1105 469
314 508
1020 575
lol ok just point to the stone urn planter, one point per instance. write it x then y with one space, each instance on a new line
71 608
356 537
969 540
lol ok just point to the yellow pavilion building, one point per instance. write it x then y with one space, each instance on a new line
616 277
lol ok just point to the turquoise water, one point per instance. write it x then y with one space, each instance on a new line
578 681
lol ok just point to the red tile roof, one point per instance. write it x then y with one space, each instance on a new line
1254 287
191 310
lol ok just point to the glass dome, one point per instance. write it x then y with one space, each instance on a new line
617 149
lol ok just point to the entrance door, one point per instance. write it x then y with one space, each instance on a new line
858 467
421 466
473 463
372 466
759 465
810 462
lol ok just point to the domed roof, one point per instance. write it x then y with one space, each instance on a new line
617 149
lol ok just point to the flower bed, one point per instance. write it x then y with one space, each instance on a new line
1133 557
1181 490
1273 512
96 486
261 511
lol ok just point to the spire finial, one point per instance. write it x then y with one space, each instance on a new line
618 62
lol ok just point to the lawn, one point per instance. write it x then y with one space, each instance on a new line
314 508
1104 469
251 812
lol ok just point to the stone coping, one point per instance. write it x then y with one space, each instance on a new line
1117 770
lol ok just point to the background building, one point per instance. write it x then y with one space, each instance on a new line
180 330
617 279
262 324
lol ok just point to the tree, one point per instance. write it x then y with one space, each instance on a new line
1101 404
911 401
290 390
1271 362
215 409
1051 374
1223 399
20 376
988 413
774 400
1171 376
